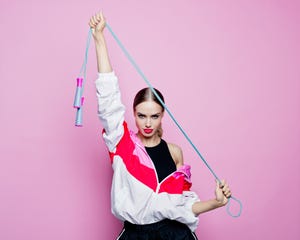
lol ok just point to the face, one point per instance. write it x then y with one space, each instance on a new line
148 116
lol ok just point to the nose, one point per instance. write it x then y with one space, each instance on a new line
148 123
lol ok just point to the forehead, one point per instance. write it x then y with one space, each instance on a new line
148 107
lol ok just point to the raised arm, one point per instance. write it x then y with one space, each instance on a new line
97 24
110 108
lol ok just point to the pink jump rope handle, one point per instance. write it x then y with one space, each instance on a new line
77 100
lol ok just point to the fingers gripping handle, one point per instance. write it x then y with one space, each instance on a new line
229 203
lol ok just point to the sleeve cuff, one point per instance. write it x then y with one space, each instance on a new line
108 74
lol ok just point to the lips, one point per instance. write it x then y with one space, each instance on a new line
148 131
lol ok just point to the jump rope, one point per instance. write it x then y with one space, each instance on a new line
79 99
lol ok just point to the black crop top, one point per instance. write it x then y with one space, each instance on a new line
162 159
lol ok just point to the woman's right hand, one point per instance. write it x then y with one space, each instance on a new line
97 24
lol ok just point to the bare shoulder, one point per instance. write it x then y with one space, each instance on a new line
176 154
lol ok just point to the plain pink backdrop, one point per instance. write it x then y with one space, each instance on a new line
230 74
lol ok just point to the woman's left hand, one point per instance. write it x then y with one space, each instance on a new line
222 192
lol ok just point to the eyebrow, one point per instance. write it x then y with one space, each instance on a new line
142 114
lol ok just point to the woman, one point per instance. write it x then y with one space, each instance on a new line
151 184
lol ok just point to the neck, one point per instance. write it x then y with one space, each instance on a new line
149 142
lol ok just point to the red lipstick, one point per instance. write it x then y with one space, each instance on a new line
148 130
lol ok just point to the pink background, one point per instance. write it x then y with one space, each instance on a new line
229 71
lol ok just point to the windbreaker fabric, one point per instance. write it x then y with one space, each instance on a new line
136 194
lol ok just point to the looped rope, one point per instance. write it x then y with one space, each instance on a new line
229 204
173 118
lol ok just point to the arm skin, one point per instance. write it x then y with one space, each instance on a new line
97 24
222 191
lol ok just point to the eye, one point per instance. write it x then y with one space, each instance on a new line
155 116
141 116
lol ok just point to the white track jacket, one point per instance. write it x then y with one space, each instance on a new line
136 194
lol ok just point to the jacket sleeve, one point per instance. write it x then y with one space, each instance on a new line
177 207
110 108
